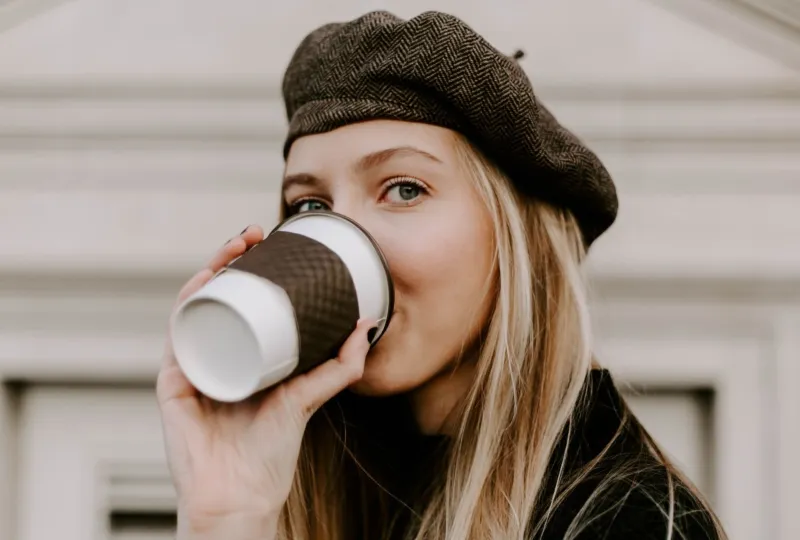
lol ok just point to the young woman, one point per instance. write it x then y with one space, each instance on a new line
481 413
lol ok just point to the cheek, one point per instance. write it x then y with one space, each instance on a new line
441 267
441 264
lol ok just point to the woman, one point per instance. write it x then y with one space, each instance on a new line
481 412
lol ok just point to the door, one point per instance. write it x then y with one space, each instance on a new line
92 466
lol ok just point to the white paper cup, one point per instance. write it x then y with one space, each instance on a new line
283 307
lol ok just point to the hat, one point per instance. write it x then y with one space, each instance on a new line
435 69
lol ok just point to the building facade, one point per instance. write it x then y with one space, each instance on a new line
135 137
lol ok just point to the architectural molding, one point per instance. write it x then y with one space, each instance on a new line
779 11
753 24
124 113
102 328
786 401
133 486
254 169
732 370
729 363
267 89
71 487
226 137
661 235
9 428
15 12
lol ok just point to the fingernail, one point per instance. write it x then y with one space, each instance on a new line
245 229
371 333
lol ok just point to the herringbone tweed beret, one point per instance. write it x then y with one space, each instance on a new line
435 69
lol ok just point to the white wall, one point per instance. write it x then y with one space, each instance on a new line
135 137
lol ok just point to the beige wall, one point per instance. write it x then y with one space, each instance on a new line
137 136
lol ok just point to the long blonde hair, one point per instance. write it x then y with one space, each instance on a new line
533 361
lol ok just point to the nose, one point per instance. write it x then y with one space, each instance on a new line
350 209
353 201
358 212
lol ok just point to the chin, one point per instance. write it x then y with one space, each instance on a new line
386 374
373 389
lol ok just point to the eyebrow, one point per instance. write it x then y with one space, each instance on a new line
369 161
380 157
300 179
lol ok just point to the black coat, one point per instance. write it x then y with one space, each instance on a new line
634 486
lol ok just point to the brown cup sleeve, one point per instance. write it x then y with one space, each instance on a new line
319 286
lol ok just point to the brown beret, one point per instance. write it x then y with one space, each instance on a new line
435 69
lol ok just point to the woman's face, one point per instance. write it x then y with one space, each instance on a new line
404 184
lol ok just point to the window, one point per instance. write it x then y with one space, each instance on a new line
92 465
681 423
141 503
142 526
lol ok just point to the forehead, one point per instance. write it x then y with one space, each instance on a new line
346 145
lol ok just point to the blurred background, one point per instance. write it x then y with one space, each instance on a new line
137 136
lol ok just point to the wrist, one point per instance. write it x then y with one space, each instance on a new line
235 526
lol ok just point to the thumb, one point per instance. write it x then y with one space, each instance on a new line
311 390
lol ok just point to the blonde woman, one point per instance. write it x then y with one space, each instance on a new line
481 413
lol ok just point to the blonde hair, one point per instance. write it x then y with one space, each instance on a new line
533 362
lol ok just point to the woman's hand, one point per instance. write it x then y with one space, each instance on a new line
233 464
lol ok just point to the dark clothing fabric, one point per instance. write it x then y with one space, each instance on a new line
435 69
633 500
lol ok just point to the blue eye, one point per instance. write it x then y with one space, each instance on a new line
404 191
309 205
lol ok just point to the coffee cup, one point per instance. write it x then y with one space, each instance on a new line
283 307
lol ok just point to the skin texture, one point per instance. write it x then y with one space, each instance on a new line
404 183
233 464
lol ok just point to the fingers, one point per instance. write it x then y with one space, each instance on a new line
194 284
235 247
310 391
173 384
228 252
252 234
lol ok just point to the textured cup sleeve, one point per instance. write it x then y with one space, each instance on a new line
319 286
